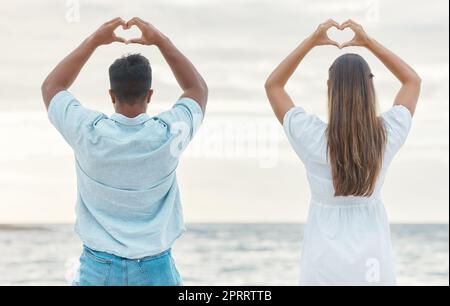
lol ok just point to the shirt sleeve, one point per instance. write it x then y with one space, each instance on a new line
186 116
69 117
397 121
304 131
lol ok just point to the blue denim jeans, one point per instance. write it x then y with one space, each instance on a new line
103 269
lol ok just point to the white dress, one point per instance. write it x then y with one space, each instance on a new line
347 239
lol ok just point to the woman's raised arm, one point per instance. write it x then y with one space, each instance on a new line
279 99
408 94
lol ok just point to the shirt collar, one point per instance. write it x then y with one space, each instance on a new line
130 121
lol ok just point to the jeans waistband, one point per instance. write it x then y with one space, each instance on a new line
109 257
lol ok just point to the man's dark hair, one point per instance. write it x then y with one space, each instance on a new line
131 78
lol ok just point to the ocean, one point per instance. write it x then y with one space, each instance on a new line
219 254
240 167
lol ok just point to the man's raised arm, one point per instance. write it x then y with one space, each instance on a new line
189 79
65 73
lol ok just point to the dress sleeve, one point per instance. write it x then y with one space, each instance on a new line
397 121
304 131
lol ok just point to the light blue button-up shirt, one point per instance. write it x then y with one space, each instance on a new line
128 200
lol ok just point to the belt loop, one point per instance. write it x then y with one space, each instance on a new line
139 264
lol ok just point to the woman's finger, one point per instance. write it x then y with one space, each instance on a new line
351 43
333 43
333 23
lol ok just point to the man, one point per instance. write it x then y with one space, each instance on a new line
128 206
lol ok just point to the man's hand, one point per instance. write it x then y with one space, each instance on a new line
187 76
105 34
65 73
150 34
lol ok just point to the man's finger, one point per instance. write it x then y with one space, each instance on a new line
112 20
120 39
137 22
116 21
141 20
119 22
135 41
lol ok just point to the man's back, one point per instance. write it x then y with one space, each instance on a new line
128 206
128 199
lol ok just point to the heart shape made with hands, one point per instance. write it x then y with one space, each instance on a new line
128 33
341 36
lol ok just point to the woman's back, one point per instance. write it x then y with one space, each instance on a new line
347 239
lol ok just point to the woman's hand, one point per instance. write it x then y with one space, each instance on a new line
361 38
320 36
278 97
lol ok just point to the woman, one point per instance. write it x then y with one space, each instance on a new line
347 238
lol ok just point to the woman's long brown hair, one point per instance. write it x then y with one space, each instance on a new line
356 135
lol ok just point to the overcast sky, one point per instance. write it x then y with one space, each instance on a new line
240 168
